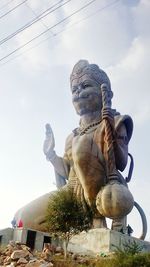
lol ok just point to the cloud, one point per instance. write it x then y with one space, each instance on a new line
117 39
130 76
131 79
106 44
35 88
112 34
141 18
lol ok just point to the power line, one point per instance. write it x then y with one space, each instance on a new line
77 22
88 17
6 4
30 23
2 16
34 13
31 40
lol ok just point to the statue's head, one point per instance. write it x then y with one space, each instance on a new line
86 80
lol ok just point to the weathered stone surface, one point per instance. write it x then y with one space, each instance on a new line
23 257
22 260
39 264
34 259
13 264
12 243
24 247
34 264
17 254
7 260
50 264
98 241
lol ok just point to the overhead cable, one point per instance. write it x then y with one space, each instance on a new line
34 13
6 4
2 16
30 23
77 11
77 22
87 17
36 37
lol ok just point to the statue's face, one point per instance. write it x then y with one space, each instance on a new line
86 95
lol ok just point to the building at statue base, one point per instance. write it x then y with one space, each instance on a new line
32 238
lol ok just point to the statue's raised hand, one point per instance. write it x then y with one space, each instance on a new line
49 143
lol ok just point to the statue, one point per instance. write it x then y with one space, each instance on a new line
96 152
88 156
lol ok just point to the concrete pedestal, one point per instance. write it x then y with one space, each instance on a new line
97 241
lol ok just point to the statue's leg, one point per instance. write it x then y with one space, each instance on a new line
99 222
120 225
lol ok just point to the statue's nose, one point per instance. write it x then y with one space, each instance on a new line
79 88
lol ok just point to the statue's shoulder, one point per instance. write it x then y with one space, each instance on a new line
69 139
127 121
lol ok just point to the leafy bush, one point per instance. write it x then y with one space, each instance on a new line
129 248
136 260
66 216
131 256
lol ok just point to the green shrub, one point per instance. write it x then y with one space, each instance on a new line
129 248
136 260
66 216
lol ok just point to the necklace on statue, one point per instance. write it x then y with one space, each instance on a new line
82 131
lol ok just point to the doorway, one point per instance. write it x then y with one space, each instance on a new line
31 235
47 239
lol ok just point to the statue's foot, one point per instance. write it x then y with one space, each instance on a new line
120 225
99 222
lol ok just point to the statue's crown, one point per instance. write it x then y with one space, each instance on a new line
92 70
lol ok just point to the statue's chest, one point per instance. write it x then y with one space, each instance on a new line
85 147
82 145
88 145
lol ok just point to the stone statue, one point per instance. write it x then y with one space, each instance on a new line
86 161
96 153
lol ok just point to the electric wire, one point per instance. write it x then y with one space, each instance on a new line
2 7
58 33
61 21
8 12
30 23
87 17
34 13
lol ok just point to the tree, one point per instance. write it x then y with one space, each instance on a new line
66 216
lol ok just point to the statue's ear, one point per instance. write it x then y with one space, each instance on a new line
110 94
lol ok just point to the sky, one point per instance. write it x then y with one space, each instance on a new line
35 89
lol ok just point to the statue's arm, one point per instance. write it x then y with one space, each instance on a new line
121 147
123 128
61 165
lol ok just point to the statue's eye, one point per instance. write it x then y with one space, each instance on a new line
85 85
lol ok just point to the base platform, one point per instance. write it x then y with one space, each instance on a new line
97 241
